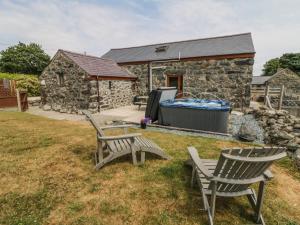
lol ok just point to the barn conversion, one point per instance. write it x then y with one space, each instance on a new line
75 81
221 66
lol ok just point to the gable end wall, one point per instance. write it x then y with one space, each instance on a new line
73 94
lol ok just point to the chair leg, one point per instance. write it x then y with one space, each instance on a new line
99 151
107 159
213 199
156 151
133 154
207 208
111 156
256 203
133 151
260 199
193 177
143 157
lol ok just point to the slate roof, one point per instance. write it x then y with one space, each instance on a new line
96 66
216 46
259 80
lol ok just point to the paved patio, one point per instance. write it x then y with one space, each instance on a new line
129 114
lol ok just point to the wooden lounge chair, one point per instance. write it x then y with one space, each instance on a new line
232 175
112 147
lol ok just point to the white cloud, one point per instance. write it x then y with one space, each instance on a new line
97 27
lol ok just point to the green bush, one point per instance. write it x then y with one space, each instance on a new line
30 83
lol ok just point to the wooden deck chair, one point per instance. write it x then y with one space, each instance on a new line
232 175
112 147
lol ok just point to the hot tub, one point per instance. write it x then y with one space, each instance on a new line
197 114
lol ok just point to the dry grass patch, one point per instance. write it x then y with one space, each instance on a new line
47 177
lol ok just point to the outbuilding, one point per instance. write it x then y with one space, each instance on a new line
220 67
72 82
283 76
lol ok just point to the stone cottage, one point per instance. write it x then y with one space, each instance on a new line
220 66
286 77
75 81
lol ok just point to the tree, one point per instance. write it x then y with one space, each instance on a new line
291 61
288 60
271 67
22 58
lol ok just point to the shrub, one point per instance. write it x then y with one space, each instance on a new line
30 83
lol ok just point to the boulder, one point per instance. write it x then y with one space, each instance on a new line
297 158
282 112
63 110
292 146
46 107
246 133
272 121
284 135
288 129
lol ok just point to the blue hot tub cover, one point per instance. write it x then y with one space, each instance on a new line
204 104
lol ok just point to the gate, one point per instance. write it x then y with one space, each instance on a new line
11 97
23 101
8 93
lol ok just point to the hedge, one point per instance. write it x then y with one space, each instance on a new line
24 81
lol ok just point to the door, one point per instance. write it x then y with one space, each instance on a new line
176 81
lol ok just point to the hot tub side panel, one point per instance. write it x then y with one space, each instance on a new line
197 119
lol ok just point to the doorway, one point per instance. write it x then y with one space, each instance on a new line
176 81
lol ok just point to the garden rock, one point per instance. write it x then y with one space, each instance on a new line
297 158
46 107
285 135
246 133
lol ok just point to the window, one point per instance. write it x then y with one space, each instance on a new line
133 86
60 79
109 85
161 48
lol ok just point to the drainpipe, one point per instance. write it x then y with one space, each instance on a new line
150 77
98 94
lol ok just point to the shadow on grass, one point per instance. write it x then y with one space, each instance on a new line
178 175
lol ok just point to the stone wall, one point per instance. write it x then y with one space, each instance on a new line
141 71
70 96
228 79
112 94
280 129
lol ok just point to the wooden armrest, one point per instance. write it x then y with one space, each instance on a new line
197 161
268 174
119 137
117 126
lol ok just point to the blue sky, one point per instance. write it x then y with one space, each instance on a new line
95 26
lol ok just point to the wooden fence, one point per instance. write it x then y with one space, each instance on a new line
8 93
10 96
275 97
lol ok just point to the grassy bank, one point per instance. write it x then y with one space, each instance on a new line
47 177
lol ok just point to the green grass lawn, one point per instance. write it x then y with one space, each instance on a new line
47 176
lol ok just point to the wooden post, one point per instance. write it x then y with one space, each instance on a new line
266 93
281 97
19 100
